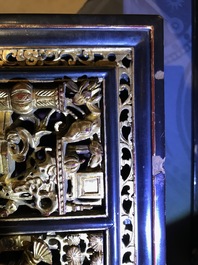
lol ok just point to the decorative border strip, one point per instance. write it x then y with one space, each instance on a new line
127 173
63 56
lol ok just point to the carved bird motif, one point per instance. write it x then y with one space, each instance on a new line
96 154
87 94
83 129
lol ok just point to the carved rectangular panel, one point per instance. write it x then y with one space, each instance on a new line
53 154
81 162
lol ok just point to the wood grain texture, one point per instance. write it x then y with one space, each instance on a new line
41 6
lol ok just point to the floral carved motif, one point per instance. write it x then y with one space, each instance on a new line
73 249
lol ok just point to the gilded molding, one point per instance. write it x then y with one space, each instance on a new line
64 56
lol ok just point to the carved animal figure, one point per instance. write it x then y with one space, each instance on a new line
83 129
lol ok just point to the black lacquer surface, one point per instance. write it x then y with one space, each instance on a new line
145 35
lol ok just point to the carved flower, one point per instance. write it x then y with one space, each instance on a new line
97 259
73 240
74 256
96 242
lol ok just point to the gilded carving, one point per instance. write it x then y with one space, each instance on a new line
67 176
49 139
73 249
34 250
66 57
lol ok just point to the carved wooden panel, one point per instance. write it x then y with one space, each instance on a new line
81 162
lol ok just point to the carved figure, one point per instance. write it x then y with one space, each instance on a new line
89 94
83 129
41 168
96 154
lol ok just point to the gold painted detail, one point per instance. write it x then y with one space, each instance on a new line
61 248
51 151
79 183
73 56
34 250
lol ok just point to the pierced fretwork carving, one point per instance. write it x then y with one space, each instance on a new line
53 248
51 150
62 56
78 147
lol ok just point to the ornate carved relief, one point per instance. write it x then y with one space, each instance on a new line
67 57
54 248
71 167
52 153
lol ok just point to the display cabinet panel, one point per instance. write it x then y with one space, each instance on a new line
81 140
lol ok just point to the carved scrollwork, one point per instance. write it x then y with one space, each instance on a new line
68 57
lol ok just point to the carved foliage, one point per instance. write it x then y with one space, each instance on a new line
51 147
56 248
127 178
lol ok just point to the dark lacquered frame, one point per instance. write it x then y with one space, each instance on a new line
194 229
145 35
